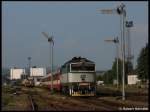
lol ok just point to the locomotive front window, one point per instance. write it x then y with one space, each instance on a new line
82 67
65 69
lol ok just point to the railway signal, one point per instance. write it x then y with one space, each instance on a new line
51 41
120 10
116 41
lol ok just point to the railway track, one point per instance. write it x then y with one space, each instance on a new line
97 104
31 100
63 105
42 100
34 106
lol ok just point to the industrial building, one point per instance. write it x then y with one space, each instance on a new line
16 73
36 74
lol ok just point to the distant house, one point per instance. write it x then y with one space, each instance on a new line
133 79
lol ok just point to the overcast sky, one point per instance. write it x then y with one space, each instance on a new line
79 29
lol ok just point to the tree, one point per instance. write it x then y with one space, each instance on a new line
129 67
142 64
111 75
114 70
99 77
108 77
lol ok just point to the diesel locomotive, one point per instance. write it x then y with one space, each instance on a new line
75 78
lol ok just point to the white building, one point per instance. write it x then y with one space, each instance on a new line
133 79
37 72
16 73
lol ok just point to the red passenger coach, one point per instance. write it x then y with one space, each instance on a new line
46 81
56 81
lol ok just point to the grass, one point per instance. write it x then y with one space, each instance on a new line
16 103
128 88
11 101
126 102
7 95
8 89
134 95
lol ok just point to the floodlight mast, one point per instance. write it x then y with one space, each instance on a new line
51 41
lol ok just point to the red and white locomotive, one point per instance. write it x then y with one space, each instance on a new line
76 78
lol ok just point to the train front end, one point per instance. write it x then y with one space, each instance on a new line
80 78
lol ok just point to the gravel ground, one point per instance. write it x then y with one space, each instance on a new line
57 102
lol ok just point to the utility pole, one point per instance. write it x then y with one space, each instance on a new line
116 41
120 10
51 42
29 60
